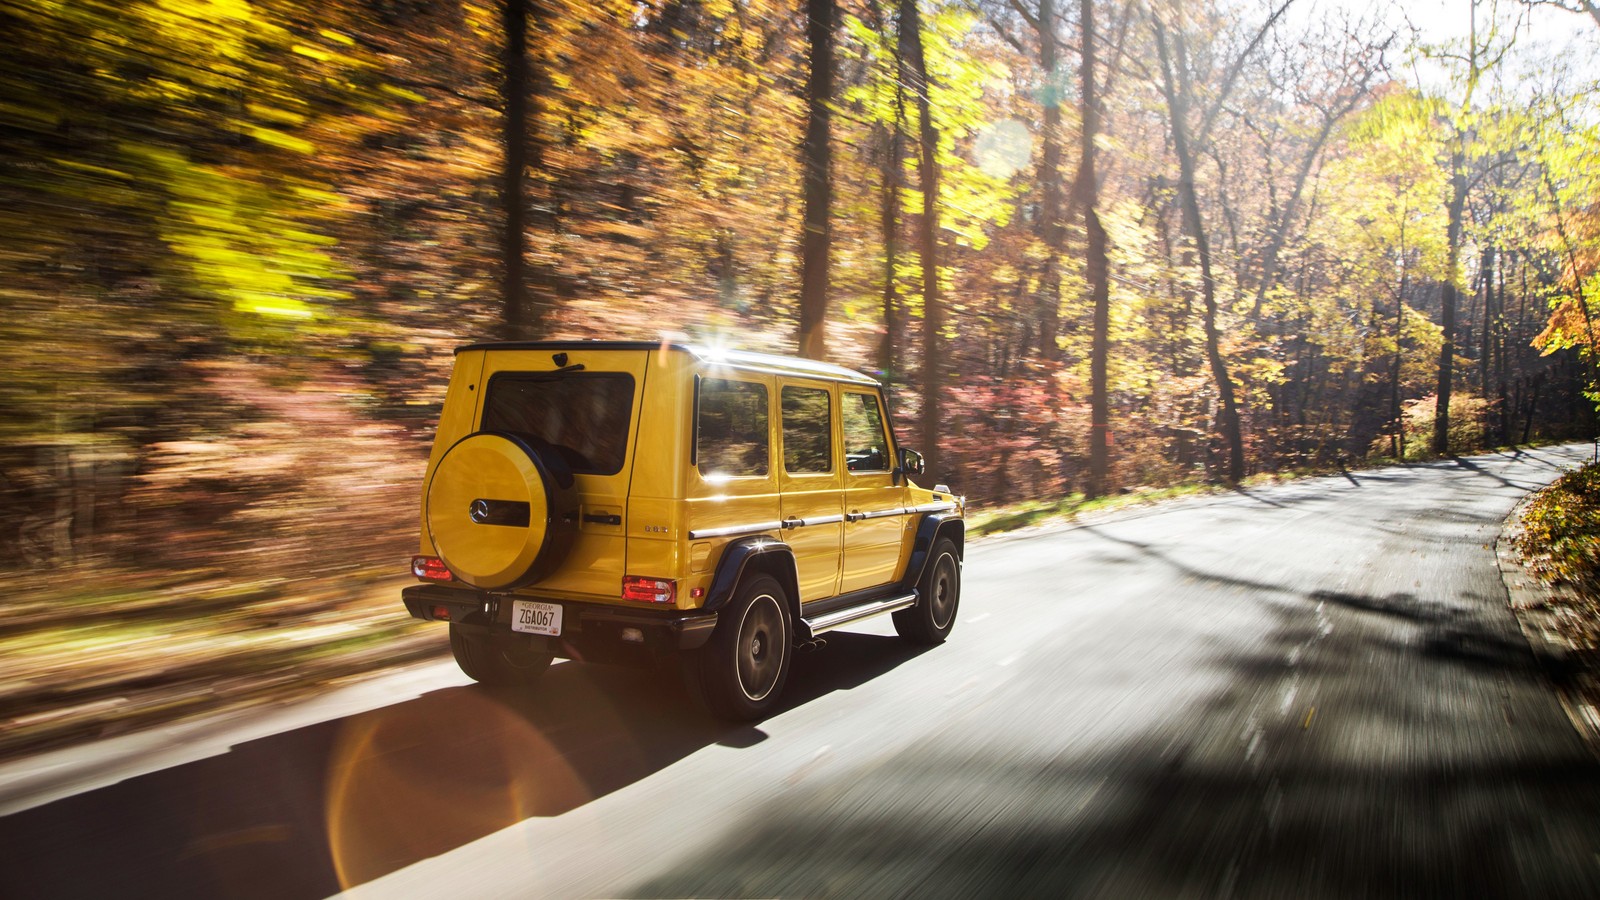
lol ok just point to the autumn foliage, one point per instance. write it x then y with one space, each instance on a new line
240 238
1561 531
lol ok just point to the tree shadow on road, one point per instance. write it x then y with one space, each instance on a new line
1134 824
1474 468
1532 457
310 812
1303 777
1393 746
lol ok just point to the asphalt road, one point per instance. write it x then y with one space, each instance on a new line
1309 690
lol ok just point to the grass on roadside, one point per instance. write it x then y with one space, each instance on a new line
95 664
981 521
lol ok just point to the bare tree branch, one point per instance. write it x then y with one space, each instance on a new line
1022 11
1005 34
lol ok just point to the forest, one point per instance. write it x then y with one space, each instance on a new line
1093 246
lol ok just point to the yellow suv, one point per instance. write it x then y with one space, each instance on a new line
638 502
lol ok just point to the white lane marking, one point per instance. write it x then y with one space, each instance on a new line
962 686
806 768
1289 695
1251 738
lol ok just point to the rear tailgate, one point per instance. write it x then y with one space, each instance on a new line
584 403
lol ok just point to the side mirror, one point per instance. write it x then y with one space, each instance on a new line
910 462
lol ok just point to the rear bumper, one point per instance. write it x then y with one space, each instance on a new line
592 627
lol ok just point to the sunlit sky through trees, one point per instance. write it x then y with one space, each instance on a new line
1545 34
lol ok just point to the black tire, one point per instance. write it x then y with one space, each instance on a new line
939 598
504 660
740 672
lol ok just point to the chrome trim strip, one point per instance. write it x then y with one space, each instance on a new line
830 621
813 520
757 528
735 530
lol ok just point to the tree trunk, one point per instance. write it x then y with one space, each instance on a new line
927 235
518 317
817 162
1449 294
1097 268
1175 86
893 177
1533 404
1486 326
1500 346
889 217
1051 229
1396 414
529 291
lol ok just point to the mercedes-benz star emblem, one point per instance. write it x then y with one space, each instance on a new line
479 511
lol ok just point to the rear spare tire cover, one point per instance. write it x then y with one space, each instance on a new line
499 512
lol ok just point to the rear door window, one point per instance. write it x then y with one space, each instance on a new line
584 416
731 437
807 431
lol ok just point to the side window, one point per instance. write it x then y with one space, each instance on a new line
731 429
807 431
866 442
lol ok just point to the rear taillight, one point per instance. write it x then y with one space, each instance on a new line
430 568
649 590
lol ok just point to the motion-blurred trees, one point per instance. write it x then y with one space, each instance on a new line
240 237
1086 190
168 200
816 239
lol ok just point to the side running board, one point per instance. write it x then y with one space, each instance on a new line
841 617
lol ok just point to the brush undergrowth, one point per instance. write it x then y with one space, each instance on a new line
1561 532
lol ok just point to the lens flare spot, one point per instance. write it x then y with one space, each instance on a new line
413 781
1003 148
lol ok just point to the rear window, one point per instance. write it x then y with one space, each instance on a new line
585 416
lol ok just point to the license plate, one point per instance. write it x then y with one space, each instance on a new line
530 617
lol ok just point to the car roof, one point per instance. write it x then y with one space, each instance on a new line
769 363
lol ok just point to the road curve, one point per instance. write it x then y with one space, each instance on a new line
1307 690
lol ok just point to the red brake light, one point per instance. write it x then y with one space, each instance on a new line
649 590
431 568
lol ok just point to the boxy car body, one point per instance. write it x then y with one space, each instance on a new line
639 502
